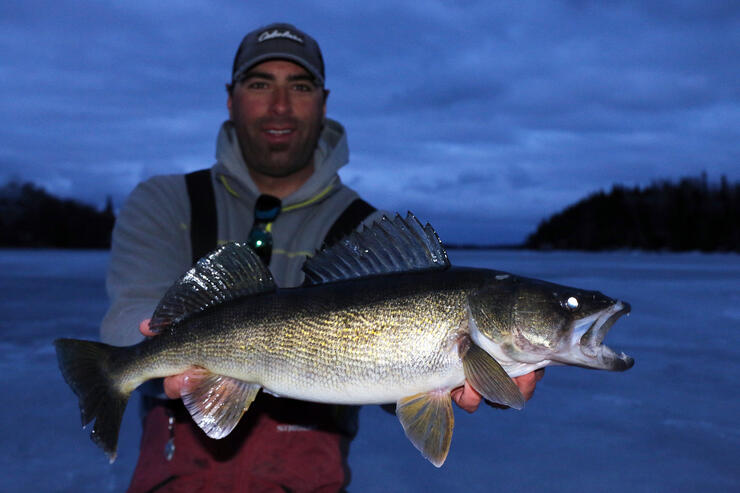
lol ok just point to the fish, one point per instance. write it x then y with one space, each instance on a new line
382 318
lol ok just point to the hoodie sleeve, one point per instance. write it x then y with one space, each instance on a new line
150 250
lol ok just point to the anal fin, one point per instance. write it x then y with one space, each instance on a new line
216 402
427 420
490 379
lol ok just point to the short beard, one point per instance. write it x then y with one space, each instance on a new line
263 163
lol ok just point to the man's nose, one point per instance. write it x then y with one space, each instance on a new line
280 104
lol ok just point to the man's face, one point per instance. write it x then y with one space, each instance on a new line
278 112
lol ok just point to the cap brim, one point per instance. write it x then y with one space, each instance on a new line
277 56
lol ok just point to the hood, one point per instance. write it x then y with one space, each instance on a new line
332 152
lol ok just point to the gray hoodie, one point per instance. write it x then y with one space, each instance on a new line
151 239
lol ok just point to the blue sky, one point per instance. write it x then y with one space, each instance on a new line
482 118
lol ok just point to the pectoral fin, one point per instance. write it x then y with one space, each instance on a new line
427 420
216 402
490 379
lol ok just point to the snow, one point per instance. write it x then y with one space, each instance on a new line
671 423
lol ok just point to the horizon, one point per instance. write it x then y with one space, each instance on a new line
702 179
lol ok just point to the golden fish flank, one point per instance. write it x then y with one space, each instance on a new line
384 319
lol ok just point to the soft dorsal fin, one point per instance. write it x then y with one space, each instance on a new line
388 246
231 271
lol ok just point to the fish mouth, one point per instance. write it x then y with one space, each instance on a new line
592 352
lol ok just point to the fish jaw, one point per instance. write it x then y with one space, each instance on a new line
585 345
527 324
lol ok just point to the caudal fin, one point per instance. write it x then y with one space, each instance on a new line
85 366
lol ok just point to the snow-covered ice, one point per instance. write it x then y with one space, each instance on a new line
671 423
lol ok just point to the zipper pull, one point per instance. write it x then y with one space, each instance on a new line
169 447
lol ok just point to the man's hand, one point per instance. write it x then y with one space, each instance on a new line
468 399
175 383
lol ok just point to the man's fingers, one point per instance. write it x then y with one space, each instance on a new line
466 397
528 382
187 380
173 384
144 328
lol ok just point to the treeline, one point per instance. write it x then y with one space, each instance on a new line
691 214
31 217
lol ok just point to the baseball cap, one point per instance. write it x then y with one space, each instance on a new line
278 41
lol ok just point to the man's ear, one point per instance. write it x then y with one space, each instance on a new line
326 96
229 105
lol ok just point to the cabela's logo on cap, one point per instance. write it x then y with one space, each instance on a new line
279 34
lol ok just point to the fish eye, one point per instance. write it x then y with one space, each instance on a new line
571 303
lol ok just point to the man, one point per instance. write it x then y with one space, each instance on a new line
277 148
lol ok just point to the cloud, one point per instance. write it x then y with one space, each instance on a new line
477 111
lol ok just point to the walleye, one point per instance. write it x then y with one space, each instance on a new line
382 318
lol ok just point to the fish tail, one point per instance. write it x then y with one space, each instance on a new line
86 366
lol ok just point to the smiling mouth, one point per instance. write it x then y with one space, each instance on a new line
285 131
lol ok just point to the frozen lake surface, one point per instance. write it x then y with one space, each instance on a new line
671 423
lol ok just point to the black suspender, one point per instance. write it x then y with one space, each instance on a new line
348 221
204 218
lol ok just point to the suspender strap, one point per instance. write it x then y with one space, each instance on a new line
348 221
203 219
204 222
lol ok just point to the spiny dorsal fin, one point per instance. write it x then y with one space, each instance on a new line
231 271
388 246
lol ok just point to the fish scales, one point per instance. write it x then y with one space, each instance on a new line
355 342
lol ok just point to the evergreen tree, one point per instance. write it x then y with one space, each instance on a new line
31 217
689 215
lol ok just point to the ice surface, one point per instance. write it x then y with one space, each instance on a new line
671 423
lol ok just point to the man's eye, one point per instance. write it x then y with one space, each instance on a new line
257 85
303 87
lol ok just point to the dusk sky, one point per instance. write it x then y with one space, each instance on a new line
481 117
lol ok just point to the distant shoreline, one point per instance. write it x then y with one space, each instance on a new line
465 246
692 214
689 215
